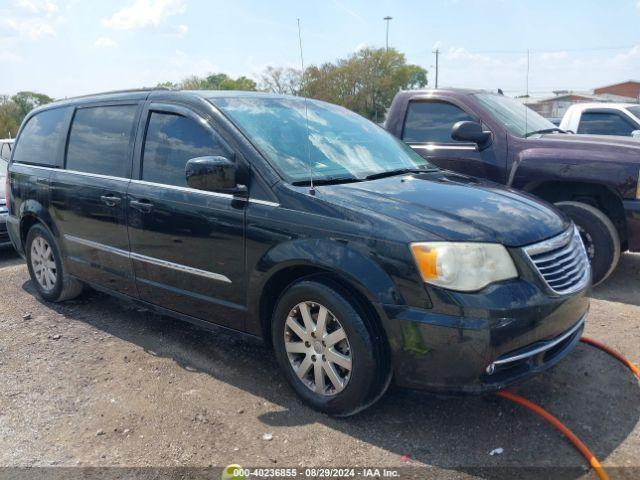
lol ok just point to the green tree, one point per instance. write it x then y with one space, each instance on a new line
214 81
27 101
364 82
14 108
283 81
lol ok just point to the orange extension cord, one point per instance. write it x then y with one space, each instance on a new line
613 353
538 410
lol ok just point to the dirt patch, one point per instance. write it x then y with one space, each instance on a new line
95 382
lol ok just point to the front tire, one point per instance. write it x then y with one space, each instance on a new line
327 349
599 236
46 268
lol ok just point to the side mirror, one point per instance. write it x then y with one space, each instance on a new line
470 132
636 134
213 174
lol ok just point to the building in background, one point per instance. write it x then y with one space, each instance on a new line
555 107
629 89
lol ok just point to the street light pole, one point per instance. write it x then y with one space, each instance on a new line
387 19
437 52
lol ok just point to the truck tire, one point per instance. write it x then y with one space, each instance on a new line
599 235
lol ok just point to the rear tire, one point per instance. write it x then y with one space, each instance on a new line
46 269
599 236
339 378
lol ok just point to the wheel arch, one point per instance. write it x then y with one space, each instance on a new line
312 261
597 195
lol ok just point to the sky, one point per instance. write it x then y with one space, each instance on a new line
73 47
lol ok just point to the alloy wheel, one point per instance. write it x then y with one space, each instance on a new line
318 348
43 263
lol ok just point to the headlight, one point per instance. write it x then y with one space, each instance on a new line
465 267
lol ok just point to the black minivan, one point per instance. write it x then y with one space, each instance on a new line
303 224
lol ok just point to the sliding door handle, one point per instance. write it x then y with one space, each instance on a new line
143 205
110 200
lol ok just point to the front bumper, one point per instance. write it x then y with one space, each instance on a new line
632 214
473 343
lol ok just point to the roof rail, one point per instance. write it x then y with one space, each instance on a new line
112 92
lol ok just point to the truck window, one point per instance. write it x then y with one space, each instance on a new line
5 151
100 138
170 142
604 123
432 121
40 138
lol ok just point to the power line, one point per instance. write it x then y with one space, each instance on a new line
524 51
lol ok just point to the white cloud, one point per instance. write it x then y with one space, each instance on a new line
182 30
638 6
10 57
105 42
554 56
627 59
360 46
38 6
31 28
144 13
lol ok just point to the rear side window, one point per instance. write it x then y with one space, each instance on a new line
100 140
432 122
5 151
40 138
603 123
170 142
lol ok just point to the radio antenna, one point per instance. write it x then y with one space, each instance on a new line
306 113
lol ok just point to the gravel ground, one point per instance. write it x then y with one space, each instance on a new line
95 383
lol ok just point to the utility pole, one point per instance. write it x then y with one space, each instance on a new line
437 52
387 19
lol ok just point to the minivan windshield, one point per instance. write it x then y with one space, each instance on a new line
342 146
515 116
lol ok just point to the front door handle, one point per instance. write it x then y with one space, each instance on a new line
142 205
110 200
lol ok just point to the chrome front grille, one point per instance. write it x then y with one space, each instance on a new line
561 262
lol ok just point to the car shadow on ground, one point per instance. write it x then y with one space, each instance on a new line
9 257
624 283
591 393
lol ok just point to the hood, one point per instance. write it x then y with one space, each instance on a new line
616 148
453 207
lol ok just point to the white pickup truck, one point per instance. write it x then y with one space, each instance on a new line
621 119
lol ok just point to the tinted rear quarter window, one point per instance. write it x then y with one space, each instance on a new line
41 137
635 111
5 151
100 140
603 123
170 142
432 121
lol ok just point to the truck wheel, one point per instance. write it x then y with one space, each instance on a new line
46 269
599 235
327 350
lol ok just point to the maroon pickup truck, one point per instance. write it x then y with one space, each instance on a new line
595 180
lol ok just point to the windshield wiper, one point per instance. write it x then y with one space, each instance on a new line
545 130
326 181
398 171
